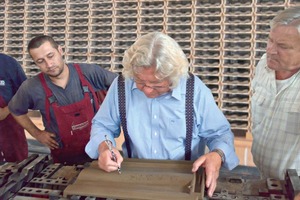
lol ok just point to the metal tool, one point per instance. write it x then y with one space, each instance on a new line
114 158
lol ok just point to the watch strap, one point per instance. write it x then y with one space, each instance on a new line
221 154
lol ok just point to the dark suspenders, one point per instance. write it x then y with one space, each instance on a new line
122 110
189 114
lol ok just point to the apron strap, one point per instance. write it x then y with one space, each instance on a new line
85 84
50 98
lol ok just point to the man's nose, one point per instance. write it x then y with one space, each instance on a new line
147 89
271 48
48 63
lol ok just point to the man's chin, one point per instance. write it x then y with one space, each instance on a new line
53 75
151 96
272 64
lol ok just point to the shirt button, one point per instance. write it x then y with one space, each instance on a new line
155 151
155 133
154 116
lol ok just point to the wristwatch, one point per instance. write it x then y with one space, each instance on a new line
221 154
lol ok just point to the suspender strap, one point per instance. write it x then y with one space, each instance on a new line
122 110
85 85
189 115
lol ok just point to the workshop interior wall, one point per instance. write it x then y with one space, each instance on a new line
223 39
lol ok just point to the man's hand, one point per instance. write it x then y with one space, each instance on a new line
212 163
105 160
47 139
42 136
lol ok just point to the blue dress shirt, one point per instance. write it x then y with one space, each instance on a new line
157 126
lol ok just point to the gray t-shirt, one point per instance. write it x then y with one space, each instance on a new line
31 94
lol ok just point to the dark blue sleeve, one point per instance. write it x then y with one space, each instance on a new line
19 75
12 76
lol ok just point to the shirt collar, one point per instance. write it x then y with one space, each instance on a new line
177 91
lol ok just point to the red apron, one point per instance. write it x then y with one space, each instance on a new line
13 143
74 123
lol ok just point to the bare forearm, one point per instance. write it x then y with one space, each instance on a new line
4 112
28 125
102 147
42 136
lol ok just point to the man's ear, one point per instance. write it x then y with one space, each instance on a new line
60 50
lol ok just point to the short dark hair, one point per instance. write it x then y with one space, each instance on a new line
37 41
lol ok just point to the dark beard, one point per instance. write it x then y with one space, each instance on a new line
58 74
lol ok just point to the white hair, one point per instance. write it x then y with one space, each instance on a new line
156 50
290 16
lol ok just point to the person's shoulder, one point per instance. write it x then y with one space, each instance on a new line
198 80
92 70
86 65
32 82
31 87
262 63
5 56
199 85
9 60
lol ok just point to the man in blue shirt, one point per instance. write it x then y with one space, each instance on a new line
13 143
156 74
